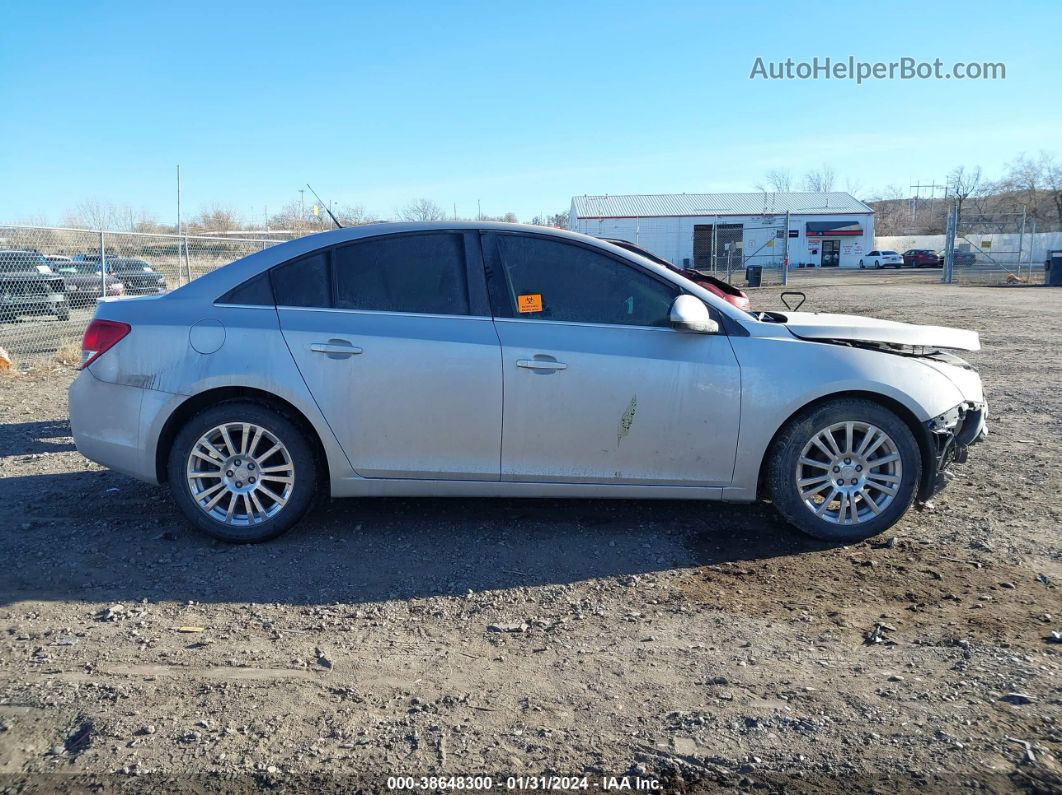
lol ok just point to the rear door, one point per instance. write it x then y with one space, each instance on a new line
394 339
598 387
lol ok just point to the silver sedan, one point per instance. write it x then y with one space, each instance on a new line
480 359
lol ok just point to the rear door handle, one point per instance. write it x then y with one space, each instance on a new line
541 364
335 348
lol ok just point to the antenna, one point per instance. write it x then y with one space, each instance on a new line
326 207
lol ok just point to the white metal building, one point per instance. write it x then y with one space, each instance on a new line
724 230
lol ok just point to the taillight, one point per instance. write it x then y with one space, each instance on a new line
101 336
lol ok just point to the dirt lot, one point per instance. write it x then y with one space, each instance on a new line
699 645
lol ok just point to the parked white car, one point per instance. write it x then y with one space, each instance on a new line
882 259
481 359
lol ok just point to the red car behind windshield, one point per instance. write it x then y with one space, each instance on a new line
727 292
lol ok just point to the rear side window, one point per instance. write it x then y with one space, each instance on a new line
555 280
303 282
407 273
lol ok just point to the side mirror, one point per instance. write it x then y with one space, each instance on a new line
690 314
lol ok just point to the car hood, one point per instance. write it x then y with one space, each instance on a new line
815 326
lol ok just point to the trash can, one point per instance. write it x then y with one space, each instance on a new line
1053 269
753 275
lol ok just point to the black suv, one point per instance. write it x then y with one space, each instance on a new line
29 287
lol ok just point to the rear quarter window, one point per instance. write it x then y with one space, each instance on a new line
253 292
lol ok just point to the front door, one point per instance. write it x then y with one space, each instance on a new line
831 253
598 387
389 341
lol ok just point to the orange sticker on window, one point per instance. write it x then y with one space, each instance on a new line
529 303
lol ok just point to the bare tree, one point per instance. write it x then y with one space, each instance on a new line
1035 185
99 214
888 205
556 220
777 180
289 217
1053 184
422 210
354 215
820 180
962 184
214 218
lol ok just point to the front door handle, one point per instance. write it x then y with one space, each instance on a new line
335 348
541 364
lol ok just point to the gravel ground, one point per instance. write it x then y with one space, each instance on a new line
701 646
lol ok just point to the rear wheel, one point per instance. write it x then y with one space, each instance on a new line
844 470
242 472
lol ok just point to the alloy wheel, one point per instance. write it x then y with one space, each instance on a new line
240 474
849 472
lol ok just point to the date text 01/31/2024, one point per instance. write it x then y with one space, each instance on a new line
523 783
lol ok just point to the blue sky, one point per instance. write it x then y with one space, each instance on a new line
519 106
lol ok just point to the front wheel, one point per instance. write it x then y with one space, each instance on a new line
242 472
845 470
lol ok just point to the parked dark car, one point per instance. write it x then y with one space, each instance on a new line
136 274
726 291
83 282
29 287
962 258
921 258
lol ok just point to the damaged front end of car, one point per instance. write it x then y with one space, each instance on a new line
948 439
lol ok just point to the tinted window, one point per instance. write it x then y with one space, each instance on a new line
551 280
304 282
406 273
253 292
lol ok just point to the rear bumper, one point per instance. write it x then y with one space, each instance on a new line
949 438
106 422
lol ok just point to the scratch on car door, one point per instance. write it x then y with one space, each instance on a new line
627 420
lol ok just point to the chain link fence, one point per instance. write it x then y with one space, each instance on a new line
51 278
991 248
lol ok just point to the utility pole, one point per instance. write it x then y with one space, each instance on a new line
785 252
932 187
479 210
178 202
179 238
1021 243
949 246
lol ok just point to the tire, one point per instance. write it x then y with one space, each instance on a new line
63 312
877 264
294 459
861 265
791 447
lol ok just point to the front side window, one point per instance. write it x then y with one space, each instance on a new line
422 274
553 280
